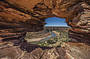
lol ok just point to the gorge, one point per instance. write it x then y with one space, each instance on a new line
20 16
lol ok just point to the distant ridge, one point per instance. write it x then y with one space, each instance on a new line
56 22
56 26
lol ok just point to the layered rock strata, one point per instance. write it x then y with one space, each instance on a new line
20 16
27 15
81 30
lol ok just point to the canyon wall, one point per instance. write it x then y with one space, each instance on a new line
26 15
20 16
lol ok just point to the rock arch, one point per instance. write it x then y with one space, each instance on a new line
19 16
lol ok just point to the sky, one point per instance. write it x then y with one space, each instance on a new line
55 21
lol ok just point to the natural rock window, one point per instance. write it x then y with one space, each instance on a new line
18 17
54 34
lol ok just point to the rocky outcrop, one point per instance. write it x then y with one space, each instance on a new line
81 30
20 16
38 53
77 50
68 51
27 15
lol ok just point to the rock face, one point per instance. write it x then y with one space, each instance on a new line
20 16
81 30
38 53
27 15
77 50
68 51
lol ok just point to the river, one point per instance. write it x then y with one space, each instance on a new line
47 38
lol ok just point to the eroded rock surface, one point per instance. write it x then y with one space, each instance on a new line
81 29
12 52
20 16
77 50
27 15
67 51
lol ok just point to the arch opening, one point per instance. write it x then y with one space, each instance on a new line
56 21
55 30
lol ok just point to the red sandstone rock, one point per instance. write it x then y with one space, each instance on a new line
30 15
20 16
68 51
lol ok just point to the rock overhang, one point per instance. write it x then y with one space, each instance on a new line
30 15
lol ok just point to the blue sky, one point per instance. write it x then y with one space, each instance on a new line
55 21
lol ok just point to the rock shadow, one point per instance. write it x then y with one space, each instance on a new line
25 46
